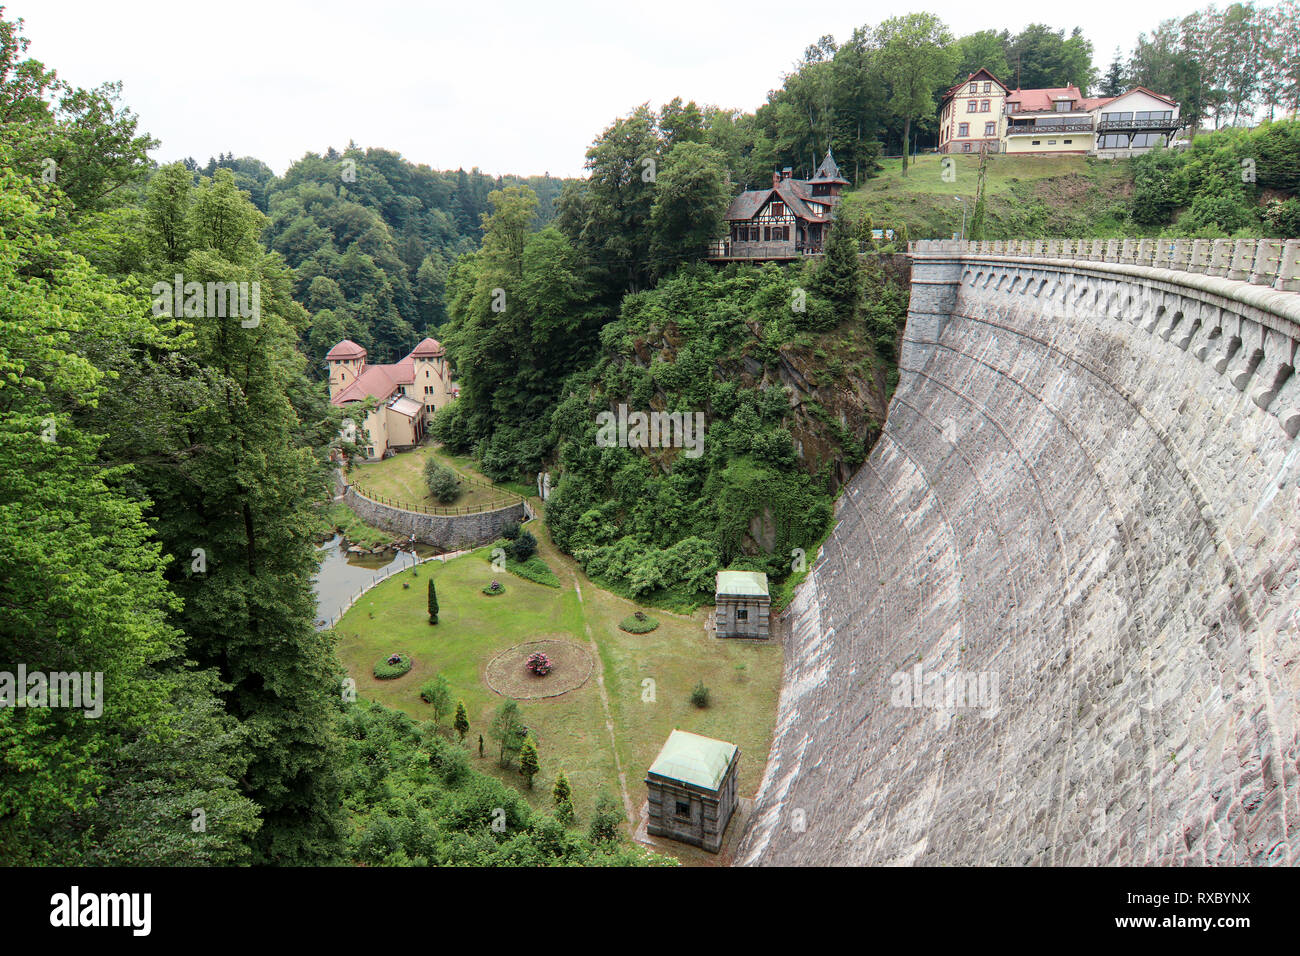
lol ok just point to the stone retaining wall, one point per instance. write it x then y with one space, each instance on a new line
1083 514
446 532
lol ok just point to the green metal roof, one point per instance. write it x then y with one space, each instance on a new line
742 582
691 758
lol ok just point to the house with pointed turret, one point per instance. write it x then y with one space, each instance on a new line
406 393
785 221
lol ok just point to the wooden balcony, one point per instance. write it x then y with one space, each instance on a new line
728 250
1049 130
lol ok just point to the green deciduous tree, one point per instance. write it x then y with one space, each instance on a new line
915 59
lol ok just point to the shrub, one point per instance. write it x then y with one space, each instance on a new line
394 665
539 664
638 623
495 588
523 547
510 531
443 483
607 821
700 695
534 569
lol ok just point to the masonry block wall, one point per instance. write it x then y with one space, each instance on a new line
445 532
1087 488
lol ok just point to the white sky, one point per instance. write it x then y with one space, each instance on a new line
510 87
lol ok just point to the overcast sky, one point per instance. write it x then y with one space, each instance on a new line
510 87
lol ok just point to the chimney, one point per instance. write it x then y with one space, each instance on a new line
776 179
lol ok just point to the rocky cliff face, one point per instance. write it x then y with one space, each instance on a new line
840 382
1058 621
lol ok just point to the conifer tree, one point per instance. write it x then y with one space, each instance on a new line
433 603
563 797
461 724
528 763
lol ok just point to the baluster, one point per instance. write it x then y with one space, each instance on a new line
1243 259
1220 257
1288 270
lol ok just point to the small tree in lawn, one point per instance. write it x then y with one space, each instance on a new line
433 603
563 797
461 722
528 763
507 730
437 694
480 746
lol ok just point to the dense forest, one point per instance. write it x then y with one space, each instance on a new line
161 472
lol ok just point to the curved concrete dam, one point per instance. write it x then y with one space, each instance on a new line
1057 621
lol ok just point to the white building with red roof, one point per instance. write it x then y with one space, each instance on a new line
981 113
407 393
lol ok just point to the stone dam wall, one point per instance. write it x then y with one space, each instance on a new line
1058 621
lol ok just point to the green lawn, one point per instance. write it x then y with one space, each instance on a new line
1026 196
401 478
343 519
744 679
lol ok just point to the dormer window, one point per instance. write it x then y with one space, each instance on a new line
1063 106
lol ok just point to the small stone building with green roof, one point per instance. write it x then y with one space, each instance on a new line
743 604
692 789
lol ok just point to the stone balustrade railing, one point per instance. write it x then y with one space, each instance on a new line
1265 262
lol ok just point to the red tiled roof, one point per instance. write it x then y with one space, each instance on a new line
347 349
429 348
1033 101
378 381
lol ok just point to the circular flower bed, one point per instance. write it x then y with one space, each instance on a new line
510 675
495 588
394 665
539 664
638 623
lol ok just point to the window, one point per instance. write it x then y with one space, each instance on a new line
767 233
974 87
683 809
1012 107
742 614
965 147
990 129
1067 142
1037 142
1062 106
778 209
988 87
963 129
1051 142
984 106
972 106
